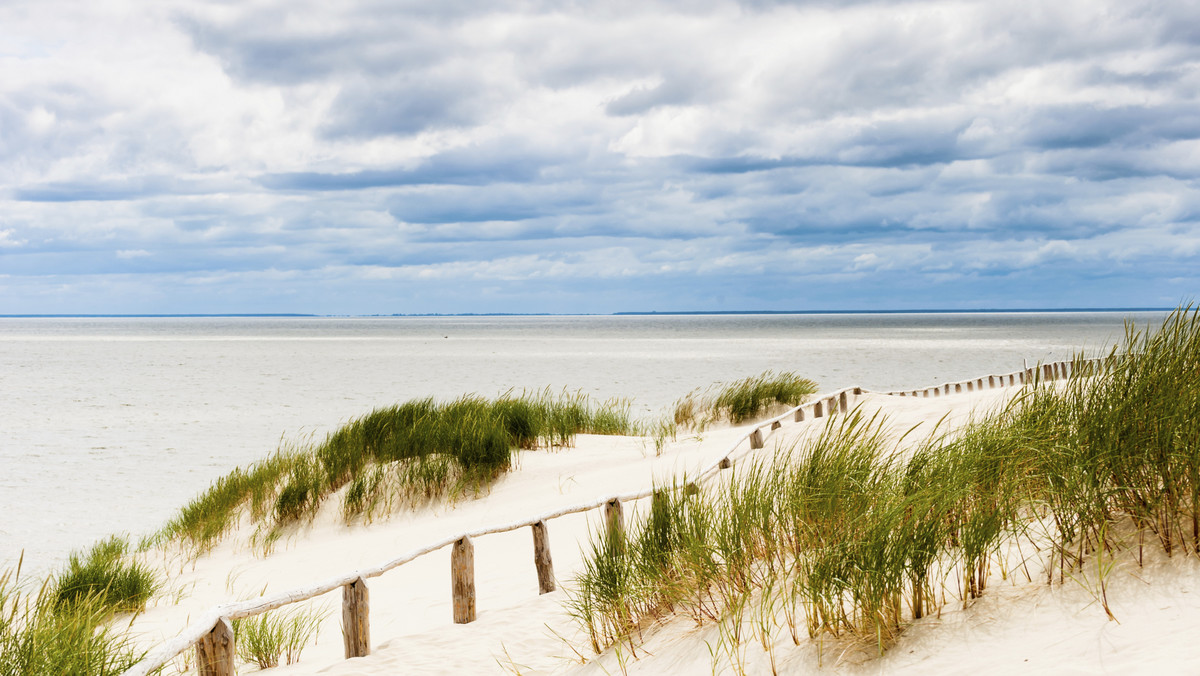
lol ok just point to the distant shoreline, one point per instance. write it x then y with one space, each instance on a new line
655 313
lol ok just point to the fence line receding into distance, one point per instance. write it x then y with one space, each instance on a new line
212 634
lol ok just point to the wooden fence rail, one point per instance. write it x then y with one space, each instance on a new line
212 634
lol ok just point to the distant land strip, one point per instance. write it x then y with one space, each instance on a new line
630 313
651 313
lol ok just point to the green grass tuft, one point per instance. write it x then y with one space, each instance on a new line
399 455
105 576
742 400
38 635
266 639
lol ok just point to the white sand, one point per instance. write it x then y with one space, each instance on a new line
1017 626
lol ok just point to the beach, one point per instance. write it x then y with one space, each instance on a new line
1021 623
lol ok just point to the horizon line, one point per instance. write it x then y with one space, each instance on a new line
625 313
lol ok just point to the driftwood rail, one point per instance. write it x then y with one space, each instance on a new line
212 634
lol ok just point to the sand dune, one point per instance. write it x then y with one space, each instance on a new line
1018 626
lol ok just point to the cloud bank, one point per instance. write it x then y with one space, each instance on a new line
527 156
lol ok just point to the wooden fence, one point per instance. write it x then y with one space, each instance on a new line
212 634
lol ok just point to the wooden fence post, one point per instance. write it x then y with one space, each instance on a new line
541 558
817 410
1048 371
614 514
991 381
842 400
776 425
958 387
462 576
725 463
831 405
356 623
799 416
970 386
756 438
215 652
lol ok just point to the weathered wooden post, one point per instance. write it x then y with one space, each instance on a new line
991 382
215 652
1047 371
462 580
970 386
614 515
958 387
858 391
842 400
725 463
776 425
756 438
541 558
356 627
799 416
947 388
831 405
817 410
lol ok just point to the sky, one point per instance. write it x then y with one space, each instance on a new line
367 157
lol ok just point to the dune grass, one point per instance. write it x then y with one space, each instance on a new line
40 635
266 639
107 577
851 538
400 455
742 400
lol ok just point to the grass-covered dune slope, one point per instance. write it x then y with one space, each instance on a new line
74 622
847 537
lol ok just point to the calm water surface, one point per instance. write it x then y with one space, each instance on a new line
110 425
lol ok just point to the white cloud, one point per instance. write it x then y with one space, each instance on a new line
532 143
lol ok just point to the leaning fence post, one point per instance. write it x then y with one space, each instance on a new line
356 627
541 558
462 580
215 651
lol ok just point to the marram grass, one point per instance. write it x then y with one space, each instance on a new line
395 456
849 538
742 400
276 637
40 634
106 577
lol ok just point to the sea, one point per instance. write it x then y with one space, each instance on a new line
111 424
